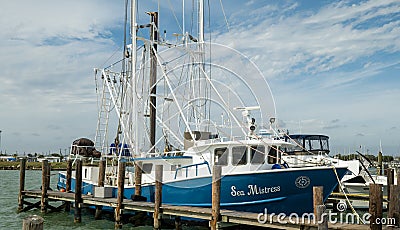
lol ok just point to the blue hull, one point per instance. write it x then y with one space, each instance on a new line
280 191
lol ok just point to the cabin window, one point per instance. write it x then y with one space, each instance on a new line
315 144
298 142
147 168
324 144
239 155
257 154
173 167
272 155
221 156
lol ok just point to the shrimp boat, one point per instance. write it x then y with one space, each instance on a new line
188 104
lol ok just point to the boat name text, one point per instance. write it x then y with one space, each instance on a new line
253 189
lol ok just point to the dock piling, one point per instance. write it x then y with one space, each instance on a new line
78 192
158 197
68 184
32 222
69 176
100 183
398 175
43 200
138 178
48 176
318 197
178 223
216 197
394 204
321 218
120 196
375 206
21 184
390 180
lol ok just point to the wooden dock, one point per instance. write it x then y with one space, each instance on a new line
226 216
215 216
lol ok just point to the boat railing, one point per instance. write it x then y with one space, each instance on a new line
80 151
190 166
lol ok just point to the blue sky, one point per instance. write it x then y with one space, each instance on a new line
333 66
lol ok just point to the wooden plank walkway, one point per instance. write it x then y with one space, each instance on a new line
227 216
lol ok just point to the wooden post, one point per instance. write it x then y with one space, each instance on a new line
32 222
21 184
178 223
158 197
48 176
215 196
43 200
102 173
375 205
120 196
380 165
100 183
390 180
394 204
68 184
69 176
138 178
321 218
398 175
318 197
78 192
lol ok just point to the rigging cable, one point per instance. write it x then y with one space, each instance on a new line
192 18
173 12
223 12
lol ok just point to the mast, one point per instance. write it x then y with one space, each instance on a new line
201 22
134 106
153 77
183 18
201 57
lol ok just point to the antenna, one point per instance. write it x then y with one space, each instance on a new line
251 122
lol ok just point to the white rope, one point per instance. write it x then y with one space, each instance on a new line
347 199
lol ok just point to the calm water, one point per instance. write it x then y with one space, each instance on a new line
10 219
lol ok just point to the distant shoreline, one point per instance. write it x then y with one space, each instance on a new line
33 169
56 166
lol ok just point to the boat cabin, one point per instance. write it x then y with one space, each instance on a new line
306 144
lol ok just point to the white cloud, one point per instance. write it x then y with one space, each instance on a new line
48 50
310 43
